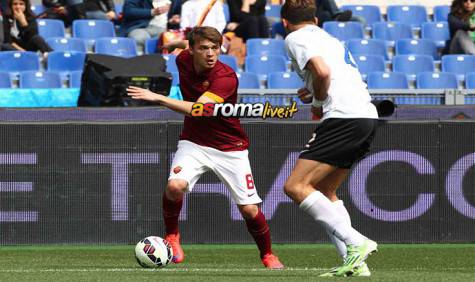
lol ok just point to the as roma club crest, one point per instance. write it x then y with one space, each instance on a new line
176 169
205 84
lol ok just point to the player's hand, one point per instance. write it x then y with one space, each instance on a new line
138 93
317 112
305 95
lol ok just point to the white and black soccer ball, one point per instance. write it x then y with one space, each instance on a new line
153 251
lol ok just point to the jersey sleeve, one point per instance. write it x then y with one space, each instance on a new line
222 88
302 50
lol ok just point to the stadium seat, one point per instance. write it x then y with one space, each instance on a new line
272 11
369 63
116 46
176 78
230 61
287 80
371 13
14 62
67 44
151 46
277 30
263 65
458 64
435 80
344 30
265 47
37 9
414 15
93 29
367 47
437 32
391 32
417 47
5 81
470 80
441 13
248 80
171 62
227 15
75 79
49 28
118 8
38 79
387 80
65 62
411 65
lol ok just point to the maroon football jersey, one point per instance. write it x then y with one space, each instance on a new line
222 133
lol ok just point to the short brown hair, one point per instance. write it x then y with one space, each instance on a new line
297 11
204 32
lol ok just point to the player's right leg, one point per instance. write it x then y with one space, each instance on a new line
186 169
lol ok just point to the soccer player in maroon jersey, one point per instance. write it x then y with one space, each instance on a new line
216 144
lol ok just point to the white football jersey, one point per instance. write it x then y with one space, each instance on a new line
348 96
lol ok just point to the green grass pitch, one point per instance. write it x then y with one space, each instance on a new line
393 262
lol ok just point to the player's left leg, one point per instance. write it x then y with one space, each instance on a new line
260 231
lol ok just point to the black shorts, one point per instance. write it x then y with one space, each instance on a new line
340 142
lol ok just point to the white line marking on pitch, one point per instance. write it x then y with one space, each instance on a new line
155 270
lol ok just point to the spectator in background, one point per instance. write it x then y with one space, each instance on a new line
327 10
65 10
100 9
247 19
143 19
3 46
462 27
192 10
20 28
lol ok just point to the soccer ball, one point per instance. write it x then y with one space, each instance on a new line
153 251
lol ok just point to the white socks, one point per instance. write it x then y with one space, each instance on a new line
340 246
330 216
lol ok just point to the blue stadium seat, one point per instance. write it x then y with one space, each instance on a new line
371 13
5 81
277 30
176 78
49 28
93 29
230 61
14 62
65 62
116 46
470 80
288 80
67 44
248 80
436 80
265 46
391 32
75 79
417 47
458 64
151 46
38 9
441 13
118 8
272 11
171 62
413 15
264 65
367 47
387 80
369 63
38 79
227 15
437 32
344 30
411 65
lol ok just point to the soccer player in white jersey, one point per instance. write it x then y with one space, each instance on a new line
334 86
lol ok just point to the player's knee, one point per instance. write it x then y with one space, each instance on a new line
248 211
176 188
291 188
